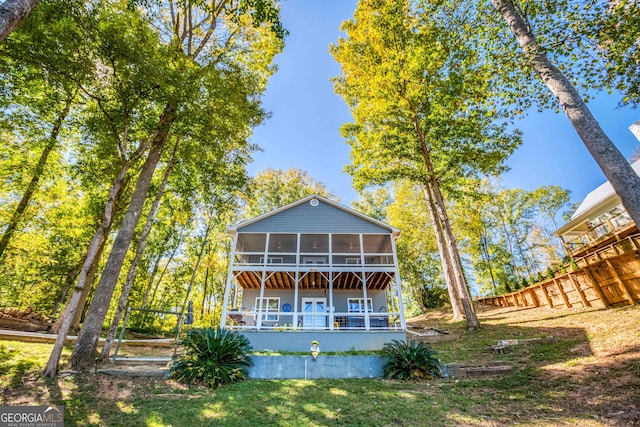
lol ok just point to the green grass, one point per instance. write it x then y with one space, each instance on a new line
588 376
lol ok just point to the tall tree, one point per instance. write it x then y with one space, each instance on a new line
618 171
126 289
38 171
129 69
219 44
418 258
427 119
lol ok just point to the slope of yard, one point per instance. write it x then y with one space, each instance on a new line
589 375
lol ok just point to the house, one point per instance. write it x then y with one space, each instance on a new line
314 270
599 221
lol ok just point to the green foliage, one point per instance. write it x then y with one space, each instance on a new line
432 296
418 258
374 203
213 357
275 188
431 96
410 361
508 232
550 273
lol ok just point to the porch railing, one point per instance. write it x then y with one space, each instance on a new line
335 321
601 231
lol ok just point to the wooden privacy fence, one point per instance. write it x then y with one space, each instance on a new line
607 277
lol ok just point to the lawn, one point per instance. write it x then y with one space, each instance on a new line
589 375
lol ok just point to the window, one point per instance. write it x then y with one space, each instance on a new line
272 260
270 308
353 260
314 260
356 305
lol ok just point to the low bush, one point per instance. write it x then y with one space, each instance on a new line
212 357
410 361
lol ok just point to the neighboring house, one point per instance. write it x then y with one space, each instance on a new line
599 221
314 270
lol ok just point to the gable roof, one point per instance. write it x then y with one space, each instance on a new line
235 228
601 194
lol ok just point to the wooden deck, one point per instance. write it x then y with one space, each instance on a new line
606 277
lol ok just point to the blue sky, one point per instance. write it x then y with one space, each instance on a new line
304 129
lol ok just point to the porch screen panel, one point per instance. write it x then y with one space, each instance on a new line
282 248
346 249
345 244
314 243
250 248
377 249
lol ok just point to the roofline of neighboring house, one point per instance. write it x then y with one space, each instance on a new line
595 204
234 229
580 219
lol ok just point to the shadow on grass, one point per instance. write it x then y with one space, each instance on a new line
13 367
553 383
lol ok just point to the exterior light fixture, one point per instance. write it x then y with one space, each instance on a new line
315 349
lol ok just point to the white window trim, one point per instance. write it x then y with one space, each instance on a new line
266 316
360 302
272 260
314 260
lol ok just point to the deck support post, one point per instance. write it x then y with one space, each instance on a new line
621 283
534 298
576 285
562 292
546 295
596 287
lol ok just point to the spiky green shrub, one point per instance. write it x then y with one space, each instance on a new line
212 357
410 361
550 273
574 265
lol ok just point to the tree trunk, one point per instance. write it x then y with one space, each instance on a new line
70 278
12 13
452 288
484 250
124 296
454 256
84 351
204 292
37 173
93 252
86 290
91 278
616 168
458 279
